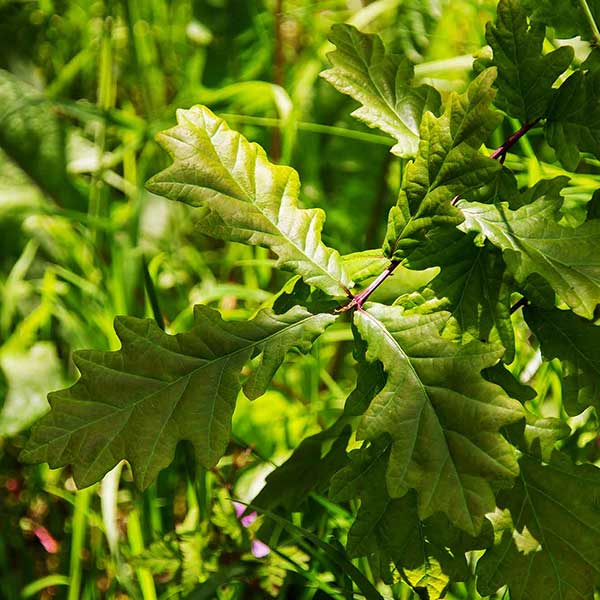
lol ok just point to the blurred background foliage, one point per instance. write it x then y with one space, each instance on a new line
84 86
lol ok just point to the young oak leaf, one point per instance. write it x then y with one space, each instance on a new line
533 242
245 198
428 553
137 403
381 82
442 415
573 123
567 17
576 343
448 164
525 76
547 535
472 283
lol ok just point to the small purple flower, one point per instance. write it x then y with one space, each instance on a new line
259 549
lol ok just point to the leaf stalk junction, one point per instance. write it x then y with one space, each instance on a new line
357 301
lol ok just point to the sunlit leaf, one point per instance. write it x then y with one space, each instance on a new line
244 197
534 242
381 82
448 164
442 415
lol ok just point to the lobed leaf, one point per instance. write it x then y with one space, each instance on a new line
137 403
547 535
245 198
573 124
442 415
525 75
448 164
381 82
534 242
576 343
472 283
567 17
34 137
429 553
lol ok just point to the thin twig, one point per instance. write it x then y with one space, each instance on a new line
501 152
356 302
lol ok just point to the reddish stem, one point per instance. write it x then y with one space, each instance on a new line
512 140
358 300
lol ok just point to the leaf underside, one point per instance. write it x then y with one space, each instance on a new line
137 403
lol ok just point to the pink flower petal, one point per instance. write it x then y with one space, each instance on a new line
259 550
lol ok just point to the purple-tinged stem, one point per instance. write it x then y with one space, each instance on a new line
358 300
512 140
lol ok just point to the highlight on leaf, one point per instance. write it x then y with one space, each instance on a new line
245 198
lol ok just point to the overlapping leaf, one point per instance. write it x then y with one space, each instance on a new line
245 198
547 535
448 164
576 342
534 242
428 553
442 415
308 469
472 283
381 82
525 76
567 17
158 389
573 124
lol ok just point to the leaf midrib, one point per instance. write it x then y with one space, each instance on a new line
173 382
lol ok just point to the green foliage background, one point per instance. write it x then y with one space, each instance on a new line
84 88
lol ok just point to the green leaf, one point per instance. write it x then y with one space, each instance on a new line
158 389
245 198
30 375
573 124
567 17
381 82
576 342
308 469
534 242
443 417
547 536
472 283
448 164
429 553
525 76
33 136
